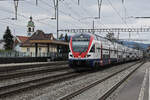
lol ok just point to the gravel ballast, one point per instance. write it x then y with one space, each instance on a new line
55 91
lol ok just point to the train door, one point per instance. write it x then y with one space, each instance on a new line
101 54
109 55
93 51
96 55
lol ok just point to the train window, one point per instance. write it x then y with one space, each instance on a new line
105 56
80 46
110 51
96 38
69 50
98 49
115 51
81 37
92 49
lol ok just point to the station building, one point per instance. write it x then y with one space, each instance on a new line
38 43
41 44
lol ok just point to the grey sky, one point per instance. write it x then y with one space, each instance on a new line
74 16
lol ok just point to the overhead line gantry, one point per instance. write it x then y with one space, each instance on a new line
106 30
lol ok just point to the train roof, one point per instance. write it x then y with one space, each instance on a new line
105 40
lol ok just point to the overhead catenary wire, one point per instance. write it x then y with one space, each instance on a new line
11 26
82 20
125 16
52 7
59 10
117 13
38 20
23 16
66 4
70 8
91 17
87 12
96 18
29 3
66 14
80 6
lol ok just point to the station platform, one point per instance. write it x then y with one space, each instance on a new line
32 63
137 87
19 64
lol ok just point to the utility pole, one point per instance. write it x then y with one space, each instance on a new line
57 4
36 2
93 27
125 12
129 35
78 2
16 8
99 7
55 8
118 35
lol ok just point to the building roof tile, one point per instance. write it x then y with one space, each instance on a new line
43 39
22 39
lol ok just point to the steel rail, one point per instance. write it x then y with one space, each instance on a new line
35 83
18 67
15 88
70 96
106 95
4 76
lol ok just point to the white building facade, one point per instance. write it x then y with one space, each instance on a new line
2 43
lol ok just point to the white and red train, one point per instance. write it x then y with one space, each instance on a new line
92 50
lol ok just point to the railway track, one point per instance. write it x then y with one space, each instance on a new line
108 93
11 89
80 91
31 84
26 71
31 71
14 67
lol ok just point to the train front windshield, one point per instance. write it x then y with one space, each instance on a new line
80 43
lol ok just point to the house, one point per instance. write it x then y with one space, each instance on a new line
18 41
41 44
